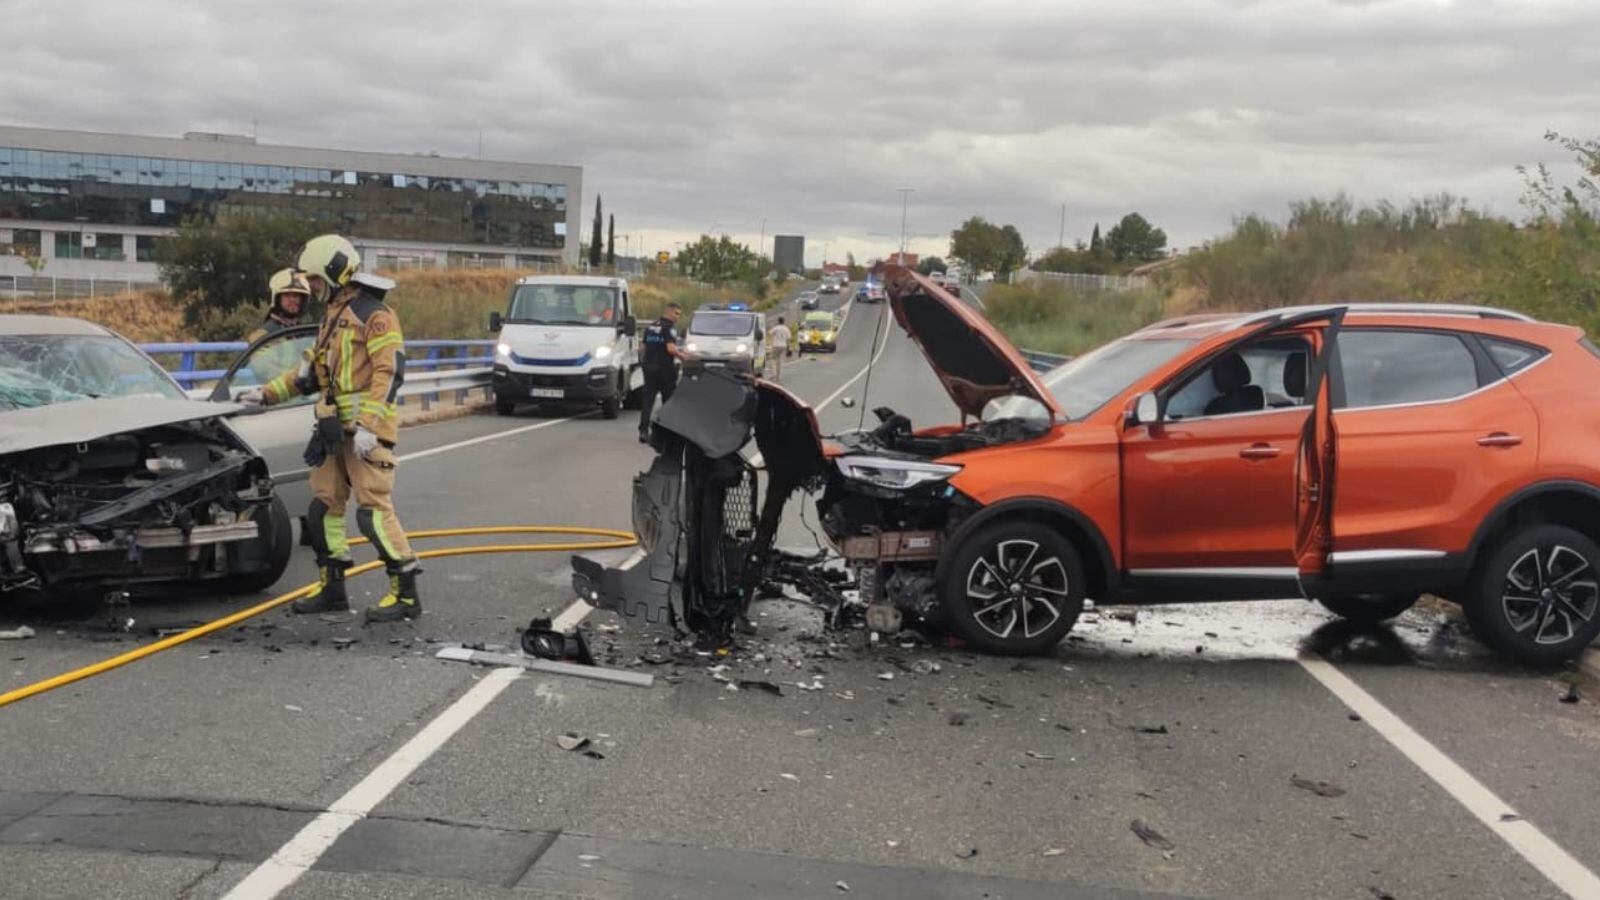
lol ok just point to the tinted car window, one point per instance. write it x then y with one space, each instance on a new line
1387 367
1511 356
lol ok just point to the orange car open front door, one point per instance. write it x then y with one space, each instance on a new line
1314 468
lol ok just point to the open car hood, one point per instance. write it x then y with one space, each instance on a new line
85 420
974 362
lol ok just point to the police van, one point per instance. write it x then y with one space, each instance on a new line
566 339
726 336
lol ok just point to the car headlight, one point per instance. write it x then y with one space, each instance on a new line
502 350
741 347
691 347
602 351
894 473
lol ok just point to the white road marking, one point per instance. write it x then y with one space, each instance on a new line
571 616
510 432
302 851
1554 863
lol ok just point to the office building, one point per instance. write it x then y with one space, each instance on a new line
93 204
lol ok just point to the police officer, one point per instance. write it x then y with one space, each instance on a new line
661 355
290 294
357 367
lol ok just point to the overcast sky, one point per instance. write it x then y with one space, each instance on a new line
810 114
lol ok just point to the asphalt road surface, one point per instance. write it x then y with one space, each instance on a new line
1263 749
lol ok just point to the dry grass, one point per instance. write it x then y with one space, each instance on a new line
142 317
449 303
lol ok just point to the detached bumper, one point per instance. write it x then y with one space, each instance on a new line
582 387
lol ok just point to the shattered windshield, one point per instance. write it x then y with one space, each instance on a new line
41 370
1083 385
563 304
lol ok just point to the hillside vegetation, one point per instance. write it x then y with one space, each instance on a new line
1437 249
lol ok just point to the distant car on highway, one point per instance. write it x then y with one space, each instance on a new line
726 336
870 293
807 300
830 285
818 331
112 476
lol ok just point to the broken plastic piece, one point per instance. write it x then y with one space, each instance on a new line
543 641
1152 837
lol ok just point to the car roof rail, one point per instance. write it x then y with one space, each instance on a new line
1404 309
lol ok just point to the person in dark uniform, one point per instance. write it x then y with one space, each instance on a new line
661 355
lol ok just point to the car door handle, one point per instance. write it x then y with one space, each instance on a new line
1259 451
1500 439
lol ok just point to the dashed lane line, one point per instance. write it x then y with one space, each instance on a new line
1560 867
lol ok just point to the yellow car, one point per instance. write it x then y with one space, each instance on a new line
818 331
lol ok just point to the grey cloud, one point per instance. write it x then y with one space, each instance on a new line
811 115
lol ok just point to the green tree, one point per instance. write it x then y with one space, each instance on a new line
611 241
216 268
1094 239
931 264
974 243
1010 251
1134 238
596 246
720 260
983 246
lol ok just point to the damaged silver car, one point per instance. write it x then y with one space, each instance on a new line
111 477
707 518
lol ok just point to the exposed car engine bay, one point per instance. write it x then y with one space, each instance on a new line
156 503
707 519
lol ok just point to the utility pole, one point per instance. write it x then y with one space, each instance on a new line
761 248
1062 240
905 196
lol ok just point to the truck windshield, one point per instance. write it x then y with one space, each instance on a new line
720 324
564 304
1086 383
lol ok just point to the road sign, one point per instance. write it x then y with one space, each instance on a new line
663 257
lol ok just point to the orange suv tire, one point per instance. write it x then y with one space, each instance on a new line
1536 595
1014 588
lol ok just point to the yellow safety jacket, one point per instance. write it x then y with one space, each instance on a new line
357 365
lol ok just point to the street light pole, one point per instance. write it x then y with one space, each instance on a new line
905 197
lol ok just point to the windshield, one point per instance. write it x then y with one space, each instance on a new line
721 324
1086 383
563 304
42 370
818 320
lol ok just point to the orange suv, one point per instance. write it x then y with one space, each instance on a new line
1359 455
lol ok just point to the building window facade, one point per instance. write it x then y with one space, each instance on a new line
44 185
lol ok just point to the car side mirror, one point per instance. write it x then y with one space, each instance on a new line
848 403
496 322
628 325
1146 409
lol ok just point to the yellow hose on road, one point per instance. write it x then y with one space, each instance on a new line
616 540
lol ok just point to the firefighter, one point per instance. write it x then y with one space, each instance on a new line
290 294
356 367
660 365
